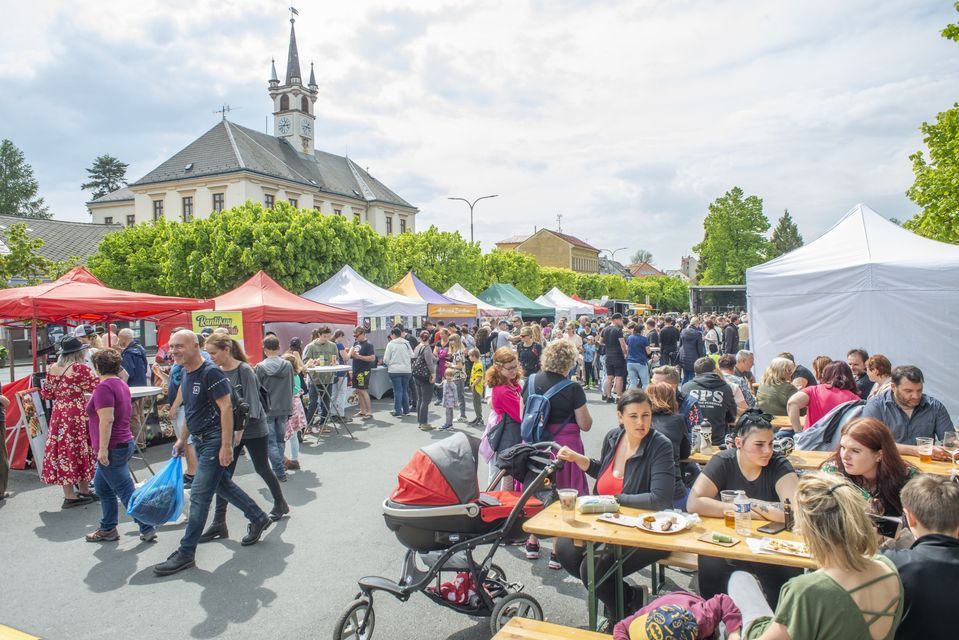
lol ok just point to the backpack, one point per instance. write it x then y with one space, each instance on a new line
419 368
241 408
537 409
825 434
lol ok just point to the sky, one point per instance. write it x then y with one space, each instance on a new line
626 118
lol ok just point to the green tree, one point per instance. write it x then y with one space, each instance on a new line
951 31
566 280
21 261
642 255
106 176
438 258
733 238
512 267
936 185
786 236
18 187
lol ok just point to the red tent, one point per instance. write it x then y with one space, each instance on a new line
262 299
597 310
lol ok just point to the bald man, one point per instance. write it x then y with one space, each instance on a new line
205 395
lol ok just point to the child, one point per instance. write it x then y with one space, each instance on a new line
589 355
682 615
714 354
477 386
449 398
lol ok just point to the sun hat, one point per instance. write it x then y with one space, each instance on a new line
666 622
84 330
71 344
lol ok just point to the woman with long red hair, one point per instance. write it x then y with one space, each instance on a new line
868 457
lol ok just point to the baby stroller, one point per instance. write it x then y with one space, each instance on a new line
439 514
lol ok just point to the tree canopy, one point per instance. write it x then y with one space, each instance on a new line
642 255
439 258
106 176
786 236
18 187
733 238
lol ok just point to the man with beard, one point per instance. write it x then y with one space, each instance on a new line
856 359
909 413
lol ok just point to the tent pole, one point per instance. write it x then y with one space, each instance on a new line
33 341
13 372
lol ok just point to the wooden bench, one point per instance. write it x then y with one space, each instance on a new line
676 560
526 629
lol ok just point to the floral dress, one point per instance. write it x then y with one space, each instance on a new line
68 457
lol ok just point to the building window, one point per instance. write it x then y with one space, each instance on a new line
131 220
217 202
305 104
187 208
402 225
284 103
157 210
108 220
268 200
338 212
389 225
356 218
294 203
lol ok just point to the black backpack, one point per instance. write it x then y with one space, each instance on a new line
241 408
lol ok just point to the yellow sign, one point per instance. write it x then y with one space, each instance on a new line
232 321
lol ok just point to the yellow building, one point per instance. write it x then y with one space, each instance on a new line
554 249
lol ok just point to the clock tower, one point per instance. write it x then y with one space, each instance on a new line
293 102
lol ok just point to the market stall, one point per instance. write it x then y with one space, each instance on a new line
598 310
506 295
566 307
486 310
438 305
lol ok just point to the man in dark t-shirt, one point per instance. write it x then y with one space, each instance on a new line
528 352
668 342
615 344
205 395
364 357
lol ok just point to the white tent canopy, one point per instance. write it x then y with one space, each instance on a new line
457 292
565 306
352 291
865 283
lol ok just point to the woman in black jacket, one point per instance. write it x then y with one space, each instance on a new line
637 468
691 348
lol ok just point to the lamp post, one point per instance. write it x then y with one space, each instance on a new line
471 205
612 254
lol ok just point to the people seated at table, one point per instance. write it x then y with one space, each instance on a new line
741 388
688 407
682 615
854 593
929 570
879 370
671 424
802 377
776 387
714 396
836 387
636 466
818 364
868 457
856 359
767 478
909 413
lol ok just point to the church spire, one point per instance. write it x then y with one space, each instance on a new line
312 84
274 81
293 58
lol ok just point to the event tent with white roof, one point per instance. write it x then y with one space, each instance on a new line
866 282
487 310
565 306
349 290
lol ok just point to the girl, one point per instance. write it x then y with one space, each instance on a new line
456 362
450 393
505 407
297 422
668 421
477 386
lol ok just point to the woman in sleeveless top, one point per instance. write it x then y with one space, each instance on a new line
855 595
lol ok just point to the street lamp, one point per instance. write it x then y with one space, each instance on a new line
471 205
612 254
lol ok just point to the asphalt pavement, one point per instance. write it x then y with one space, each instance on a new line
293 584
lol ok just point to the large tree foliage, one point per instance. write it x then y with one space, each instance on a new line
512 267
642 255
18 187
438 258
733 238
106 175
21 261
786 236
666 293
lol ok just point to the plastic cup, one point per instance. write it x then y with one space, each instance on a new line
924 447
729 509
567 502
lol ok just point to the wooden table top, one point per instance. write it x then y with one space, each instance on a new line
780 422
807 460
526 629
549 522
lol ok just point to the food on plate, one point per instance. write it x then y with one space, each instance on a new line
721 537
786 546
649 520
668 523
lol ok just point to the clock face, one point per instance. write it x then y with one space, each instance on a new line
306 128
284 125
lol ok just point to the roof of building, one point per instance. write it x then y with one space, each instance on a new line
61 239
573 240
613 268
121 194
229 147
514 239
644 269
677 273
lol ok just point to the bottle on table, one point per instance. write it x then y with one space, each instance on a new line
788 517
743 517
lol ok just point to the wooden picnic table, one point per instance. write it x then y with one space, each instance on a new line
526 629
807 460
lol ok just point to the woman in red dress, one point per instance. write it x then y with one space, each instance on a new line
68 457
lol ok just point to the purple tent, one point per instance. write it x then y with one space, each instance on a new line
437 305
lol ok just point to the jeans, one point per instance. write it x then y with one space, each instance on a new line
314 395
321 395
112 483
276 430
424 394
212 479
257 448
461 396
637 371
688 375
401 399
588 370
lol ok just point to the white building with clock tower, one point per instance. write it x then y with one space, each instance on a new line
231 164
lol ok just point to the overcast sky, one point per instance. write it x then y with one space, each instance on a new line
628 118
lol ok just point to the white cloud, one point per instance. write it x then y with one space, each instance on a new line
626 117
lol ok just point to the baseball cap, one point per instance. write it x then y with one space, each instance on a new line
206 332
84 330
666 622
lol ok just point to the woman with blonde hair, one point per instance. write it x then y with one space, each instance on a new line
537 332
855 593
668 421
456 361
776 387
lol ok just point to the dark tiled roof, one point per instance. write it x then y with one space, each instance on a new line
121 194
573 240
644 269
228 147
62 239
613 268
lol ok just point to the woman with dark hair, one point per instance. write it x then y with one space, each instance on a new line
869 458
836 386
636 466
668 421
296 345
879 370
227 354
424 388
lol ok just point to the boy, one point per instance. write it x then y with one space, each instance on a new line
589 356
477 386
449 399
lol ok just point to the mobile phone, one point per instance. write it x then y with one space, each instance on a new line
771 528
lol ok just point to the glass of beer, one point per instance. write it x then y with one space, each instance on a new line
924 447
729 509
567 501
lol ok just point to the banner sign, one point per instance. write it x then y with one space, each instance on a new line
232 321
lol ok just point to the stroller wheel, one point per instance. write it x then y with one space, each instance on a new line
514 605
357 621
496 573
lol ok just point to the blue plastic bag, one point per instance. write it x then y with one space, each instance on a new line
160 499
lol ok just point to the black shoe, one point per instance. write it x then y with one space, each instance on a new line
175 563
69 503
214 531
279 510
255 530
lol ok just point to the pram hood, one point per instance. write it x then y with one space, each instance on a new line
440 474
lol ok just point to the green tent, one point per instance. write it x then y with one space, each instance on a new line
506 295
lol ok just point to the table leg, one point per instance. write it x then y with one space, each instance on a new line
620 605
591 583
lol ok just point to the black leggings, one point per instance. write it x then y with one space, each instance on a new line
257 448
573 559
714 576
